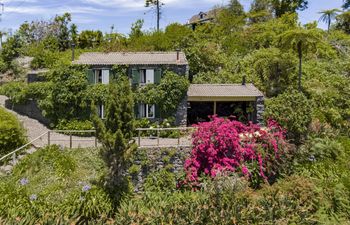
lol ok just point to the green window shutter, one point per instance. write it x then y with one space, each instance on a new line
136 76
157 111
157 75
136 110
112 75
90 75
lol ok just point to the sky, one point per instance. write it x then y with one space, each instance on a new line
102 14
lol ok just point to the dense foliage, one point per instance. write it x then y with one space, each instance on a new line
12 134
268 46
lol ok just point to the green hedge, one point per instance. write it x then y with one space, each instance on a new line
12 135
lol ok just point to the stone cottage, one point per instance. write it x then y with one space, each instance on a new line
142 68
202 100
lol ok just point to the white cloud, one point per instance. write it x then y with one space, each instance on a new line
140 4
42 10
25 10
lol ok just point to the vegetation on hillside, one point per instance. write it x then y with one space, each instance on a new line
302 70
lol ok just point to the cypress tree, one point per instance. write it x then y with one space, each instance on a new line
115 133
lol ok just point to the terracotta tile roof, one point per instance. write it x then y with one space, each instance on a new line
223 90
131 58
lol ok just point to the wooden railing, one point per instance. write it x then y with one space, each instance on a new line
48 135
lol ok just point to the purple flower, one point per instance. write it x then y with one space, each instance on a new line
24 181
86 188
33 197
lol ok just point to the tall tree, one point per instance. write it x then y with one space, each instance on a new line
281 7
328 15
136 29
301 40
63 30
236 8
343 22
260 11
73 33
115 133
346 4
157 5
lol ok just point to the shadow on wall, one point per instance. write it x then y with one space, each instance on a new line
29 109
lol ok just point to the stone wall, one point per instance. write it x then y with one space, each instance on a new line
260 108
149 160
29 109
181 114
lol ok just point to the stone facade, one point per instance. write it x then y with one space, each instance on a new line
260 108
150 160
181 114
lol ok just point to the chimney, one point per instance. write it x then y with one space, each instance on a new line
244 80
177 55
73 52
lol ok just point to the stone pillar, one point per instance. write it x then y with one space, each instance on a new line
260 108
181 113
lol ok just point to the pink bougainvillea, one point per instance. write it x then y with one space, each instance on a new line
224 145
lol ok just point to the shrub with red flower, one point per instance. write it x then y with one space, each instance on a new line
225 146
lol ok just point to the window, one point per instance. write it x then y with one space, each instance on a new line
149 76
147 111
146 76
102 76
105 76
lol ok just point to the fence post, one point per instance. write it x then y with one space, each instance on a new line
158 135
139 138
14 158
48 138
95 139
70 141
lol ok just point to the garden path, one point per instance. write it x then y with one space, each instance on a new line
34 129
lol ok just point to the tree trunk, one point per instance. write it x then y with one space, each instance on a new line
300 53
329 22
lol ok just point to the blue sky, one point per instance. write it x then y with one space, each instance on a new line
102 14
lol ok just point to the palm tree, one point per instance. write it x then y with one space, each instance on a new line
301 40
328 16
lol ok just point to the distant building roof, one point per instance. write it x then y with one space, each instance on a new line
204 16
132 58
223 91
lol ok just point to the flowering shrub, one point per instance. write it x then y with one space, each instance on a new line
222 146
